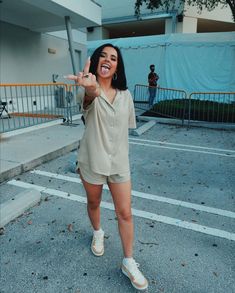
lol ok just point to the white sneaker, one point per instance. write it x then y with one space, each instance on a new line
131 269
97 244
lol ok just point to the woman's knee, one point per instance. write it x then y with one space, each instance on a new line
93 204
124 215
93 193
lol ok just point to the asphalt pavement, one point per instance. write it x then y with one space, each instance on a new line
183 207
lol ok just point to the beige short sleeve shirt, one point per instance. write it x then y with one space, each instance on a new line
104 145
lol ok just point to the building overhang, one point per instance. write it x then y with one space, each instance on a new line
49 15
143 17
146 24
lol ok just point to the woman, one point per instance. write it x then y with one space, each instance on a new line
103 155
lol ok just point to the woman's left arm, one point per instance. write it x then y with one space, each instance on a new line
132 117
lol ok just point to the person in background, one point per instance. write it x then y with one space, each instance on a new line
152 80
108 111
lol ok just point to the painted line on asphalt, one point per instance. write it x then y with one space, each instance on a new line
143 214
182 149
183 145
167 200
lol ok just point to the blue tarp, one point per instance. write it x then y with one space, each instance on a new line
192 62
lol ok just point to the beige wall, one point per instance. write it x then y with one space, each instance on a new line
218 20
24 55
189 25
220 13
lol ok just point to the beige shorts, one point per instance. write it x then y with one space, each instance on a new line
94 178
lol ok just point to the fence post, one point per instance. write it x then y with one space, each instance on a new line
69 97
189 109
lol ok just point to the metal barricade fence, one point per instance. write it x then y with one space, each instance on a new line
74 91
24 105
217 107
168 103
72 107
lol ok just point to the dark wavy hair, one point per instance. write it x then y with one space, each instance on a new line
119 83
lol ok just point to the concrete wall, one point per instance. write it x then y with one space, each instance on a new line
220 13
219 19
190 24
122 8
79 36
24 55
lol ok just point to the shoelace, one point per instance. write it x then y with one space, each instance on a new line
134 266
98 240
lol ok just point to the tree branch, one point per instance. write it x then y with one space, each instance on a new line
199 4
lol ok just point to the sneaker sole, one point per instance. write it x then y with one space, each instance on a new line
128 275
97 253
94 251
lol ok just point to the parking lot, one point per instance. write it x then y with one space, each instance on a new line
183 206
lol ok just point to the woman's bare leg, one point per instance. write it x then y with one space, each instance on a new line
93 192
121 193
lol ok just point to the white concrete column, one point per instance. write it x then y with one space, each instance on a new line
168 26
189 25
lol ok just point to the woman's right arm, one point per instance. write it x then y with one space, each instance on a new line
88 82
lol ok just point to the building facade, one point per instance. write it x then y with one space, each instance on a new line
35 45
119 20
37 38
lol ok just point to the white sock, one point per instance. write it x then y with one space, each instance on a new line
98 232
127 260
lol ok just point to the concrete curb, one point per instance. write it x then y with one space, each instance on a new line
21 168
36 127
193 123
143 128
12 209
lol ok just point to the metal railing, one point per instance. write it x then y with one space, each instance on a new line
168 103
214 107
24 105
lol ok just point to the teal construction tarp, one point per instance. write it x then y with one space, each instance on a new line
192 62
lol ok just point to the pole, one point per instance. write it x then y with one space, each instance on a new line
70 40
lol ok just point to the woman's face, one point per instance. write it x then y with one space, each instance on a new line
108 61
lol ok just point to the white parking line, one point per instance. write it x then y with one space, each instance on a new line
181 203
182 149
143 214
178 144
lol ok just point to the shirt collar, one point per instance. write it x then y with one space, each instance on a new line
103 96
